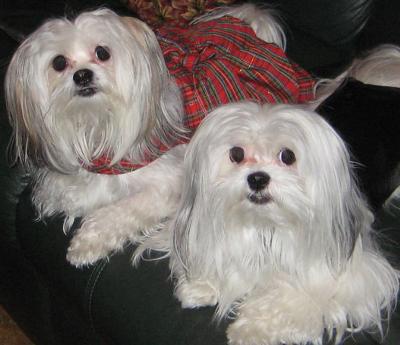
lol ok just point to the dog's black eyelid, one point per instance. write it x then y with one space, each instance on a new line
236 154
287 156
59 63
102 53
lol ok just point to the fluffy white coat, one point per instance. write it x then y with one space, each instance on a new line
289 261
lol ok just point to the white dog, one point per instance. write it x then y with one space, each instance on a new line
272 228
78 91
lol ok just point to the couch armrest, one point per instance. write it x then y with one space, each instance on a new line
123 304
126 305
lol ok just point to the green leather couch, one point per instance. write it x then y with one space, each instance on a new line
113 303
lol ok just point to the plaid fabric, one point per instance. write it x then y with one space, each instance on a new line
222 61
102 166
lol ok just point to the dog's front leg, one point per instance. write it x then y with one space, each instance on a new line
109 228
196 293
75 195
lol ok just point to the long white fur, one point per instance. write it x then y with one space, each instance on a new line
138 107
378 66
264 21
288 269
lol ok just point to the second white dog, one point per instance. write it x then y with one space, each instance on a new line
273 230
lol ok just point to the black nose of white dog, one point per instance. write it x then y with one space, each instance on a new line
258 181
83 77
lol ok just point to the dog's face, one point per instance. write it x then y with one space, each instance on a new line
266 162
259 173
276 174
79 89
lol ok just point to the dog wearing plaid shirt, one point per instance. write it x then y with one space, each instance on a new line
99 104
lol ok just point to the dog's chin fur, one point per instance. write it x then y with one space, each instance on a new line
303 260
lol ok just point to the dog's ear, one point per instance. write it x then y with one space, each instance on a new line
341 211
193 226
162 109
142 33
22 95
198 223
186 222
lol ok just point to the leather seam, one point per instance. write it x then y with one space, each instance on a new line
90 287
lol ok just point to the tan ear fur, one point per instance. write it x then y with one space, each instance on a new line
138 29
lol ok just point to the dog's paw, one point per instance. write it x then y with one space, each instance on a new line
86 250
194 294
280 316
100 235
246 332
269 331
257 332
91 244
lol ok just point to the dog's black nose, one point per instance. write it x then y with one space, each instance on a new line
83 77
258 181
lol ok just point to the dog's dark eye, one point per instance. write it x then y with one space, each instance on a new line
59 63
236 154
102 53
287 156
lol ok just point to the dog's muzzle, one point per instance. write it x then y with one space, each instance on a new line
258 182
83 78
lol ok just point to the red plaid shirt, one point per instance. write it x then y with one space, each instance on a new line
222 61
